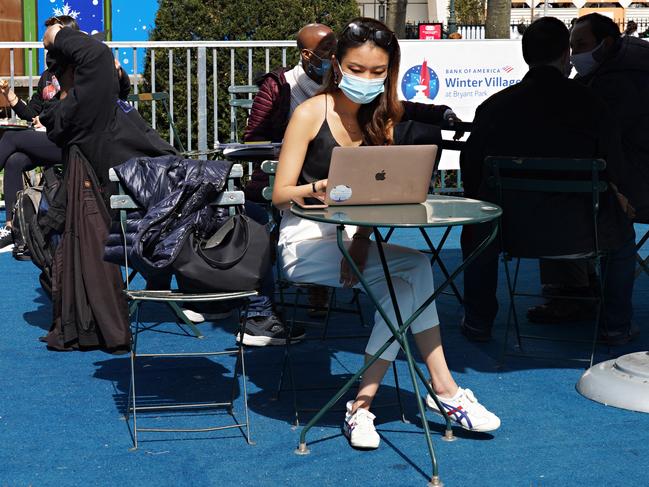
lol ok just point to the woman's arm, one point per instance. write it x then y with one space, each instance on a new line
301 130
20 107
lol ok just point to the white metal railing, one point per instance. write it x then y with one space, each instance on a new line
228 62
197 58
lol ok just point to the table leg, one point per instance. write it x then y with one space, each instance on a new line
397 335
409 358
436 258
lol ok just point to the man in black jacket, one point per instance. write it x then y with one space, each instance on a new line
547 115
89 307
109 132
23 150
90 114
617 69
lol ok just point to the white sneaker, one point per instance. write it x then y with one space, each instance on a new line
359 428
196 317
466 411
193 316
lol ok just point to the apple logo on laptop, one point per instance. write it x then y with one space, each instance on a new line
380 176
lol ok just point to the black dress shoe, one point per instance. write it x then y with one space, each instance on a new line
561 311
474 334
617 338
21 253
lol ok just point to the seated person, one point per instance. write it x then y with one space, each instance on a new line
281 91
360 106
615 67
21 151
523 120
24 150
110 132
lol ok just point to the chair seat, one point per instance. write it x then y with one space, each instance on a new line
186 297
580 255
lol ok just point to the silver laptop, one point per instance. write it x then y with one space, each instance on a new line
380 175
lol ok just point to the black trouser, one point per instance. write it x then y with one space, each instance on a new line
22 151
567 273
481 282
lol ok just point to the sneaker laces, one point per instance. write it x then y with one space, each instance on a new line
471 404
363 420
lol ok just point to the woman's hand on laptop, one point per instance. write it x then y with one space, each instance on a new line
358 250
320 189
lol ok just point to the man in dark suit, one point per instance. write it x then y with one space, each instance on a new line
547 115
615 67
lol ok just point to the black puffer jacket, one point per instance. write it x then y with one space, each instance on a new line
175 194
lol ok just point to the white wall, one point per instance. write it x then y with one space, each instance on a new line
417 11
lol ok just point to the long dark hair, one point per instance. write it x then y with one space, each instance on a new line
385 111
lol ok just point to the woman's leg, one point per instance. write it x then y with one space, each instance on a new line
413 285
318 261
20 151
13 180
35 144
7 146
429 343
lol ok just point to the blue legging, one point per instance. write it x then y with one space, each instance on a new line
22 151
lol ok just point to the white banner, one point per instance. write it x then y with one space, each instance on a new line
458 73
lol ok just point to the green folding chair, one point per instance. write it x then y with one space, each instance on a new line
173 298
512 179
241 98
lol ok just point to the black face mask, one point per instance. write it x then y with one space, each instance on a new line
313 73
316 73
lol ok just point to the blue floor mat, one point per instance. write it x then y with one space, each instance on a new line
61 414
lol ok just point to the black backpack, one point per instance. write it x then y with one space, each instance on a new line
32 205
26 207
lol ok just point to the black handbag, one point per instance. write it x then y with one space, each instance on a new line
235 258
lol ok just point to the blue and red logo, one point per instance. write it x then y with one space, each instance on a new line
420 84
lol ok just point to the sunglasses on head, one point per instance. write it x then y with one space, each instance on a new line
362 33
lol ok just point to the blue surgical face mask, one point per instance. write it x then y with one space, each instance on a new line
585 62
361 90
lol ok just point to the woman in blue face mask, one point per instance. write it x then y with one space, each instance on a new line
359 105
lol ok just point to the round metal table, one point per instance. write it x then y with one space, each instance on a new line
436 211
10 127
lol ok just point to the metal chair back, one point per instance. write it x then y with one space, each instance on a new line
241 97
531 185
530 188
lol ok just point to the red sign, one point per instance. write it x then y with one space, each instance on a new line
430 32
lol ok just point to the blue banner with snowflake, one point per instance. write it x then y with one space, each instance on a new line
132 21
88 13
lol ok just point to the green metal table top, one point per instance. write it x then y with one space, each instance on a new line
436 211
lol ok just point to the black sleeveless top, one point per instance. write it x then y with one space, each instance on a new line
318 154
